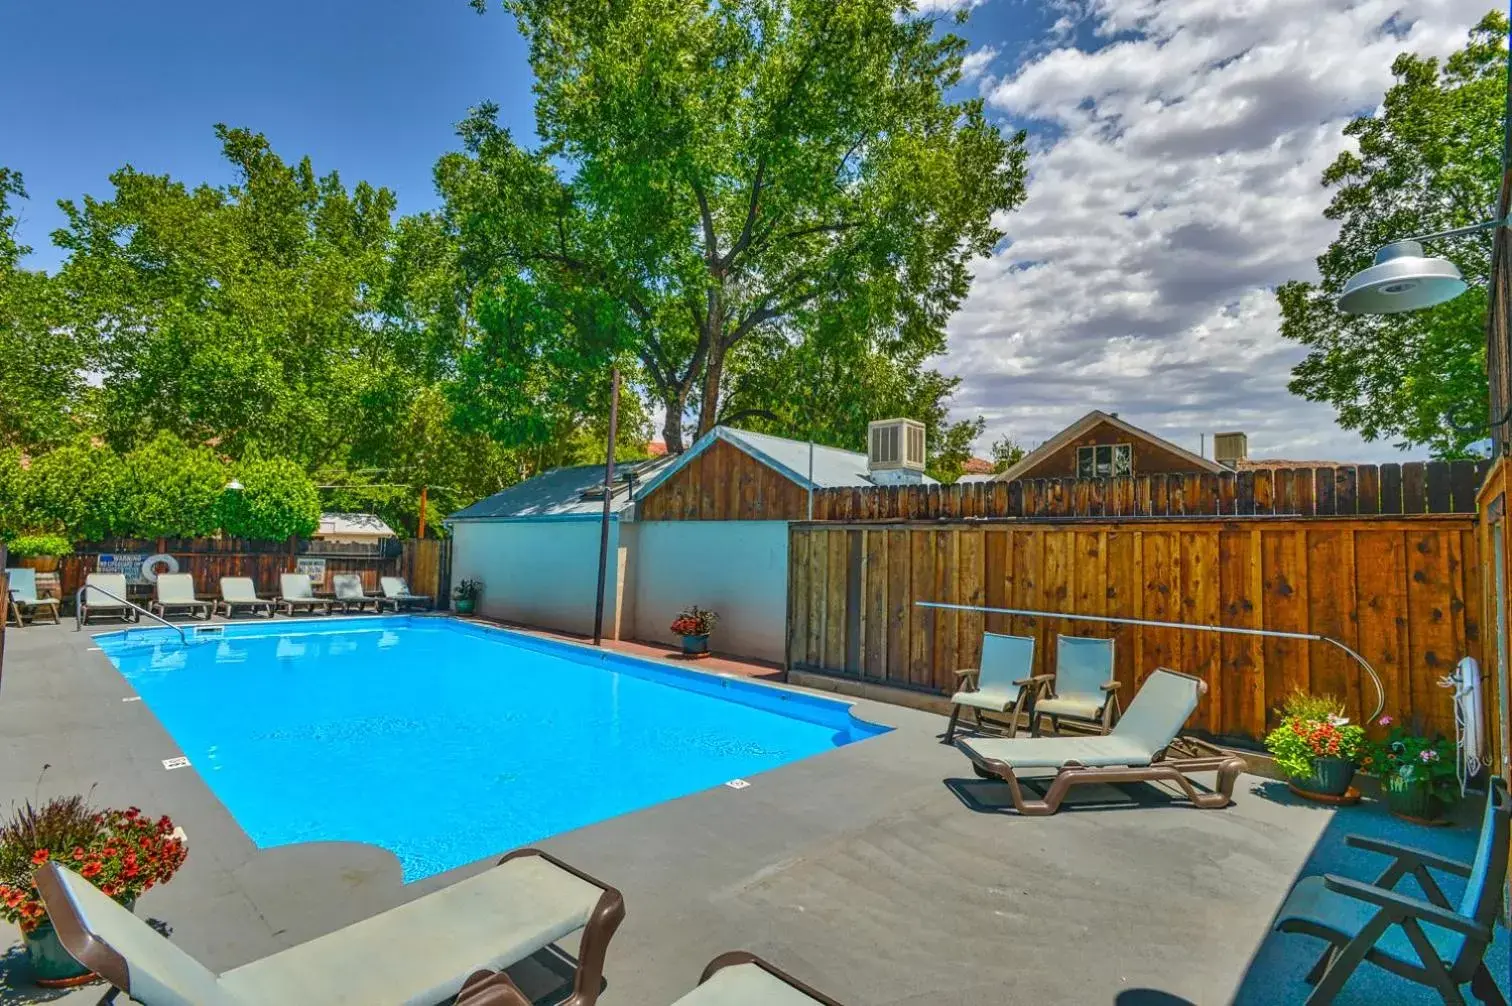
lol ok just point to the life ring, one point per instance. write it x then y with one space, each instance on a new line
149 566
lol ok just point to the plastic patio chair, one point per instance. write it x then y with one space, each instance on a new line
1144 746
175 592
423 951
1432 942
105 594
349 591
1084 688
737 978
296 592
241 592
1005 683
22 585
396 592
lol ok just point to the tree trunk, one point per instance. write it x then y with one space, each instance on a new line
708 411
672 426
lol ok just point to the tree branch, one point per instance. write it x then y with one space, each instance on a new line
744 241
711 241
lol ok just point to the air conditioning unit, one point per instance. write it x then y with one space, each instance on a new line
895 451
1230 448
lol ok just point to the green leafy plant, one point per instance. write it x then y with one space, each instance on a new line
122 852
1409 757
39 544
277 499
467 590
1312 727
171 490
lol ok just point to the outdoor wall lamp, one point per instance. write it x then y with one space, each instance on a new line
1404 279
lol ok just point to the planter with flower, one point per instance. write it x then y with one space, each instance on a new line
1317 748
465 596
694 625
42 552
122 852
1418 773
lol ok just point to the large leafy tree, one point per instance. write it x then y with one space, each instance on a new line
1429 160
717 175
247 315
41 356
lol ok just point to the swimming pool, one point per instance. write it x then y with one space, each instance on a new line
445 741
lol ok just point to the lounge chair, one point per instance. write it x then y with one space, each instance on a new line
241 592
1432 942
420 952
175 593
1005 683
1142 747
397 593
1083 689
297 593
105 594
349 591
737 978
22 585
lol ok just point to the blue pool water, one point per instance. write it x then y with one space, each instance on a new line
446 742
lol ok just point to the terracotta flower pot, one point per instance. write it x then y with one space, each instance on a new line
695 646
1330 777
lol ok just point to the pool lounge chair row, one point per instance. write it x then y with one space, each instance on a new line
174 594
451 945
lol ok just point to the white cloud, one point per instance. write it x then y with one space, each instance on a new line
977 61
1178 181
945 6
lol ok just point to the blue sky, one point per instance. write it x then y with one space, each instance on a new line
1174 180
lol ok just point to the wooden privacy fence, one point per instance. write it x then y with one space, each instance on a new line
1403 592
422 562
1412 488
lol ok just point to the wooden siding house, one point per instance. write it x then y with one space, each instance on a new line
1100 445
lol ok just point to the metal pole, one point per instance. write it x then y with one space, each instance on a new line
422 511
811 477
598 602
1273 633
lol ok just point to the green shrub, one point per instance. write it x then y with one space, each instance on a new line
277 499
72 490
170 490
39 544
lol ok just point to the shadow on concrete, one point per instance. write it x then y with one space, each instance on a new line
991 796
1276 971
1149 997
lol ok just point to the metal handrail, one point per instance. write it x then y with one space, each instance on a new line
79 610
1234 630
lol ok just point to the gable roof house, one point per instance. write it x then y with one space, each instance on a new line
1101 445
707 527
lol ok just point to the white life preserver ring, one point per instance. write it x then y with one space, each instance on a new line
150 564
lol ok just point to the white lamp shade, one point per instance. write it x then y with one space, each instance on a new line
1402 279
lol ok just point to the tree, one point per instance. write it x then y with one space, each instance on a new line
40 356
1429 160
170 490
952 449
249 315
1006 452
74 490
277 500
719 175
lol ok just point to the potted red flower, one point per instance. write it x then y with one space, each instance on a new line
694 625
124 853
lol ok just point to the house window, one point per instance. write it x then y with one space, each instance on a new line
1105 461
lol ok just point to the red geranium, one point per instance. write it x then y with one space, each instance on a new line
694 621
122 852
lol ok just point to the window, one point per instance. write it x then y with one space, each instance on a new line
1105 461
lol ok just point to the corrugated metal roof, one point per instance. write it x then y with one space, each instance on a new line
558 494
353 523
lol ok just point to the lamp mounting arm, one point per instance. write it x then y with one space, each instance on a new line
1458 232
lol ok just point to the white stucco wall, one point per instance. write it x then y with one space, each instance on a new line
541 573
738 568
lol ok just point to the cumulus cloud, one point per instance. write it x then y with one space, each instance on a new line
977 62
1174 183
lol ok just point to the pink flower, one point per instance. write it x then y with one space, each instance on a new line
1429 755
1384 721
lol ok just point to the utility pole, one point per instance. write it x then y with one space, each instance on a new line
598 604
422 511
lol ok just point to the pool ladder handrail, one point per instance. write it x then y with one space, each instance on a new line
79 610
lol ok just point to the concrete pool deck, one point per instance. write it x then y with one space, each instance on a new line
883 872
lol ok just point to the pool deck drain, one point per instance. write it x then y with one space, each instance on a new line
882 872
